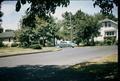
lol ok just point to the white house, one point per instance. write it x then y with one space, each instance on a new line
109 28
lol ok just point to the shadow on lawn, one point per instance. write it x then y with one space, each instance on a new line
93 72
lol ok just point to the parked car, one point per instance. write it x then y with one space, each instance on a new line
64 44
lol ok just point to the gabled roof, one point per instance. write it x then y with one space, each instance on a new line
7 35
108 20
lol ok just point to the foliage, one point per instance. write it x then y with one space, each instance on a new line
109 40
1 43
45 31
1 30
86 28
53 29
35 46
41 7
99 43
67 25
100 16
25 37
1 14
45 8
106 5
28 21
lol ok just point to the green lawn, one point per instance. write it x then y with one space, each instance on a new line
15 50
102 60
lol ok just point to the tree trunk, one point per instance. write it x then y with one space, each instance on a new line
87 42
54 40
43 42
93 42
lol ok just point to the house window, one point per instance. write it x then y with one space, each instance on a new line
110 33
109 24
105 24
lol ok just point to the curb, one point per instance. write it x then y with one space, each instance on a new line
18 54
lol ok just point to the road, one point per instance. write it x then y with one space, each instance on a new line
67 56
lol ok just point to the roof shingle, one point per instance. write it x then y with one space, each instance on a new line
7 35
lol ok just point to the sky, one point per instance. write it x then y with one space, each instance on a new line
11 18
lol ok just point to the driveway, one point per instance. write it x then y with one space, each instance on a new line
67 56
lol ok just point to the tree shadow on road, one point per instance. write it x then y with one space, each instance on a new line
92 72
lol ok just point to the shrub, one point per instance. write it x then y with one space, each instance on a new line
6 45
1 44
49 44
24 45
35 46
99 43
109 41
14 44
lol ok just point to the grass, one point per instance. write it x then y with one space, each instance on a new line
109 58
10 51
106 70
101 60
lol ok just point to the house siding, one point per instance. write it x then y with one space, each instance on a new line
113 27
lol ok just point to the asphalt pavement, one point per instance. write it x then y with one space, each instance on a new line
67 56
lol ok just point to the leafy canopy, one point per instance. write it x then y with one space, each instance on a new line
41 7
106 5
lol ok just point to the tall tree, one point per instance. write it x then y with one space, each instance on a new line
24 36
67 25
45 31
101 16
53 29
86 28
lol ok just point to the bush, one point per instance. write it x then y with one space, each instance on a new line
6 45
14 45
99 43
24 45
109 41
1 44
35 46
49 44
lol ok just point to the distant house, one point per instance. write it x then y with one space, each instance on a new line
7 37
109 28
